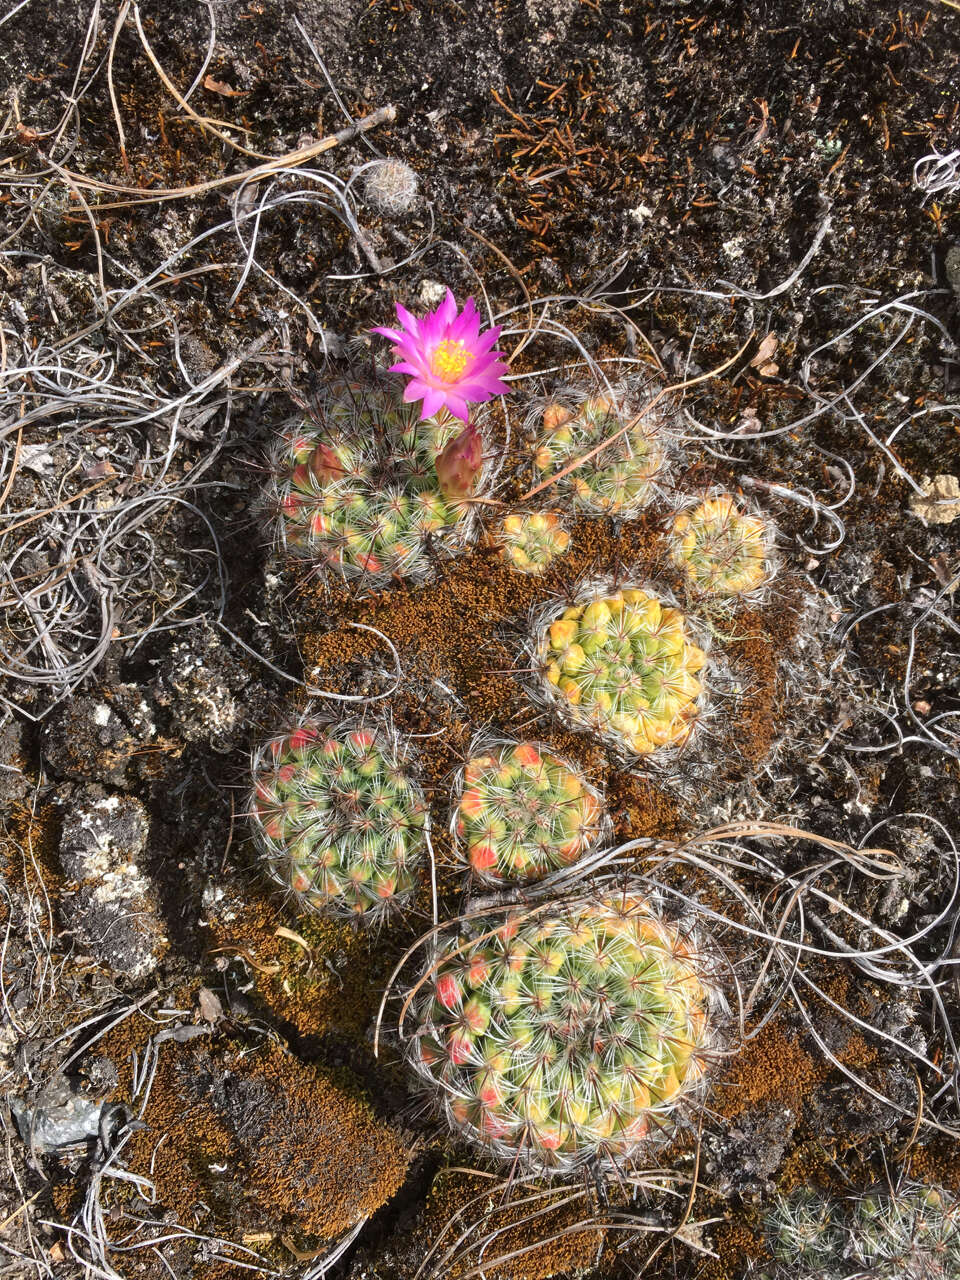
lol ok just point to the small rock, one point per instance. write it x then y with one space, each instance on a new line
940 503
114 913
197 680
100 736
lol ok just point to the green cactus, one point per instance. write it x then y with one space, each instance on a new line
530 542
358 491
523 812
622 664
803 1230
722 549
339 821
912 1233
571 1036
621 480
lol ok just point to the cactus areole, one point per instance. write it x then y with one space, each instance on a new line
570 1036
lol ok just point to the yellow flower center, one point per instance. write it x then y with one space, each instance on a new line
449 360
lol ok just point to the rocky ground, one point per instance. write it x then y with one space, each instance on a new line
188 1070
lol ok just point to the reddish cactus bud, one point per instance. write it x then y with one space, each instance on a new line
460 462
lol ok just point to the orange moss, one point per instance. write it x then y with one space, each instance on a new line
938 1161
265 1144
773 1067
737 1242
28 848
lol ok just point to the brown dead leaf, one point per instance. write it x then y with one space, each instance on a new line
225 91
211 1010
762 361
946 575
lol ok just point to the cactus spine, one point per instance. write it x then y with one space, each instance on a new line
523 812
804 1230
359 489
572 1036
621 479
913 1234
722 549
339 821
623 664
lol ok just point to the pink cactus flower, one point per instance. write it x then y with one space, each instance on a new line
449 362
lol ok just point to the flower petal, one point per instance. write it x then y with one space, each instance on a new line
415 390
409 322
457 406
447 311
433 402
393 334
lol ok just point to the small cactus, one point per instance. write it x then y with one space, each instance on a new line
623 664
530 543
523 812
571 1036
358 489
390 186
339 821
621 479
912 1233
803 1230
722 549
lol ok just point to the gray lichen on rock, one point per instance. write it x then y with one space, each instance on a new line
114 912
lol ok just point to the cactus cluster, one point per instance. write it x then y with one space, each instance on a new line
621 479
722 549
367 490
570 1036
339 821
523 812
532 542
622 663
912 1233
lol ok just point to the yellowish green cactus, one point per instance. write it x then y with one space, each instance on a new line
339 820
523 812
572 1036
357 487
722 549
621 479
624 665
532 542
